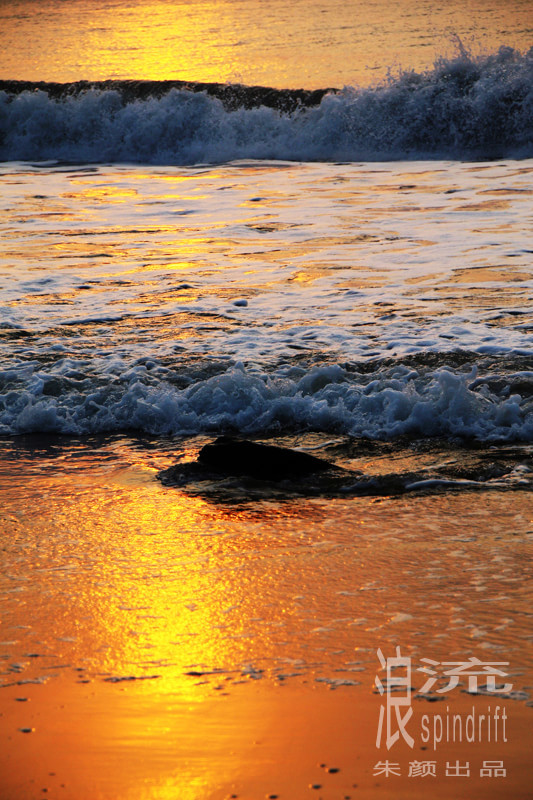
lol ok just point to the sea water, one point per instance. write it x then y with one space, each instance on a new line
262 297
349 275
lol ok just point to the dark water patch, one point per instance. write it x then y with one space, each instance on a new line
235 477
232 96
45 453
10 333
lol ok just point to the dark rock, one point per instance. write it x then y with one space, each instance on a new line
262 461
238 470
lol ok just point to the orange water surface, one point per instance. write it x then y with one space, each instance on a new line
156 644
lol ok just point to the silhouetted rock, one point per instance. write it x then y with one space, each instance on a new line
238 470
262 461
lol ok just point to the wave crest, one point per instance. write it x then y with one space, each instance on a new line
464 107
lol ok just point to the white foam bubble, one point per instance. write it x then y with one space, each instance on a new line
328 398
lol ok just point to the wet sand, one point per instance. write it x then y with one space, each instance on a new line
292 740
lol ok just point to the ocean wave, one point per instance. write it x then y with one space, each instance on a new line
465 107
74 398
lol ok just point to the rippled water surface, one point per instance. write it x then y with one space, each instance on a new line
311 44
187 642
375 315
369 300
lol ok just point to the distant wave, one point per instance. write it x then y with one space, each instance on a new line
464 107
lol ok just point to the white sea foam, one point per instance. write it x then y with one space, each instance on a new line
327 398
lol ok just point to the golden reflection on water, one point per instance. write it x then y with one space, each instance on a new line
142 581
237 609
102 229
332 44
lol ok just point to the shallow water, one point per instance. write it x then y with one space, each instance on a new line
170 578
220 637
179 646
268 297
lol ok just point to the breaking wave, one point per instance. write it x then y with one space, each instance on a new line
465 107
381 404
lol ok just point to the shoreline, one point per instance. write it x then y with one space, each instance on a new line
290 740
